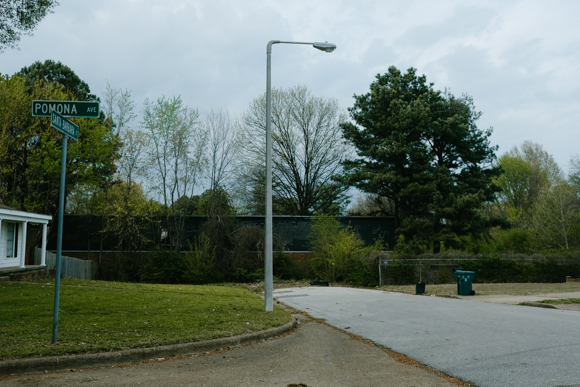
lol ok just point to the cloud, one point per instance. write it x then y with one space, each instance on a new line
518 59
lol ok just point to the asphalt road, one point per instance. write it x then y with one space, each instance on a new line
483 343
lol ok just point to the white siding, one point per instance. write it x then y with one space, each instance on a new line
4 261
18 217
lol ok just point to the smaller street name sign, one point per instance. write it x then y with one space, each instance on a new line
61 123
66 108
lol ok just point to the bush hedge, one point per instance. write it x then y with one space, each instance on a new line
407 269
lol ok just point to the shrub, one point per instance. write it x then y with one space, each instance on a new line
514 240
173 267
244 276
401 273
246 256
437 268
163 267
288 268
538 269
337 252
200 263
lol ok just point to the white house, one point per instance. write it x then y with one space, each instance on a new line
13 227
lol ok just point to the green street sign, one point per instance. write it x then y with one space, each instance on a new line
61 123
66 108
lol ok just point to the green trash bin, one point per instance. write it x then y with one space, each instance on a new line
464 282
420 287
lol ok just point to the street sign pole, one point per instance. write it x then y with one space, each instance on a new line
58 111
86 109
59 240
69 129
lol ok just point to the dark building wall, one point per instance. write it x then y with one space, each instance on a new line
84 232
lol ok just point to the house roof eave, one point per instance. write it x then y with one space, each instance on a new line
22 216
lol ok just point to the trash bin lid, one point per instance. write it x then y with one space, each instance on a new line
464 272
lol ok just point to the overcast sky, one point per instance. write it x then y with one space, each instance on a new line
520 60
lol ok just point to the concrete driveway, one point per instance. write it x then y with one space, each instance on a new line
487 344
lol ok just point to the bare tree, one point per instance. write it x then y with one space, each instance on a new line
126 202
224 142
307 148
118 108
368 204
574 171
175 154
131 165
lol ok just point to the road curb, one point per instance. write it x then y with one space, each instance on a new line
53 363
538 305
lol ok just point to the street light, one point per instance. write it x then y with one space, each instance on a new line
268 267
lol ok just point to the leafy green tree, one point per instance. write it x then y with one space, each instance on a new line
514 240
306 151
421 149
542 208
529 175
556 216
52 72
514 197
216 202
189 205
544 170
20 17
30 149
176 141
126 209
14 115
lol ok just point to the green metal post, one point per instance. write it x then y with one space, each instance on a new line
59 240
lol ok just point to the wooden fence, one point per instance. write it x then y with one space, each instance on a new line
70 267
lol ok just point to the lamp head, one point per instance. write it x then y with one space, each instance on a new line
326 47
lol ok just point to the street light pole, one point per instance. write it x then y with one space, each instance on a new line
268 253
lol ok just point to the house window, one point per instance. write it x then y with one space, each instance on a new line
11 240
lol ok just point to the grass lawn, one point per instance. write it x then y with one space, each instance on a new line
512 289
562 301
97 316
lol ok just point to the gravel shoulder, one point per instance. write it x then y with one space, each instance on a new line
529 299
